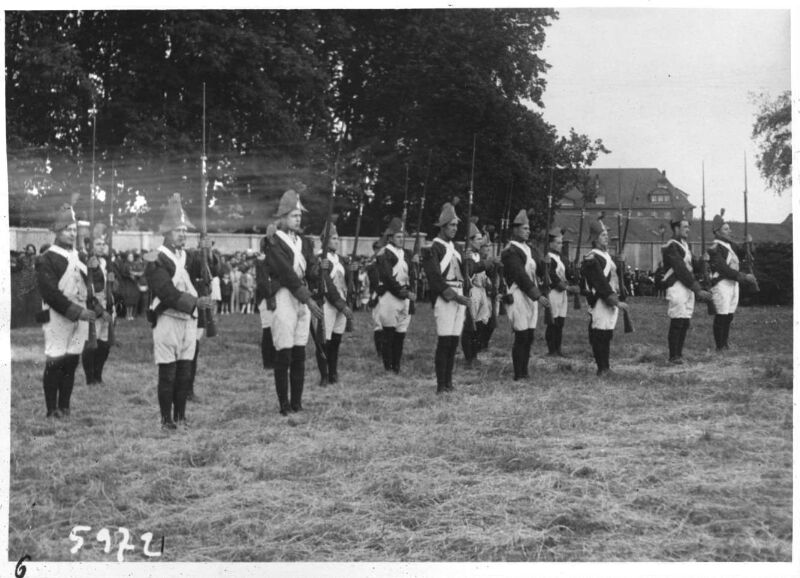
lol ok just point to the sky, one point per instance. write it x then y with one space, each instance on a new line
673 89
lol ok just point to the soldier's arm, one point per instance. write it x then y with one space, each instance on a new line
720 265
555 281
674 260
282 263
436 282
593 272
47 278
160 282
387 277
515 271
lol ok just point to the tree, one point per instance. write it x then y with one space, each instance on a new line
772 131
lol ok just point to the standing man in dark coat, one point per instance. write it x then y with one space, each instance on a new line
725 280
446 286
170 272
395 281
375 291
559 292
520 270
337 273
61 278
265 297
293 267
601 287
681 285
94 360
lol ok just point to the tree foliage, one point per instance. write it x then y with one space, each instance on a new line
772 131
287 92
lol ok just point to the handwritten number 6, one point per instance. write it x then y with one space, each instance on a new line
20 570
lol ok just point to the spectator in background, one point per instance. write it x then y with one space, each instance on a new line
129 286
226 290
216 292
141 282
247 284
235 275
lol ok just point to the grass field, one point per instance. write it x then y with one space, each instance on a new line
659 463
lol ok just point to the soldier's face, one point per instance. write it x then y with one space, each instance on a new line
333 243
556 244
683 230
99 247
602 240
449 230
67 235
476 242
523 232
725 231
397 239
177 237
292 220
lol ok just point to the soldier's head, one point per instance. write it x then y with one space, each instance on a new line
556 239
290 212
475 237
679 225
598 234
30 250
521 227
720 227
65 225
394 232
448 222
333 236
174 225
99 246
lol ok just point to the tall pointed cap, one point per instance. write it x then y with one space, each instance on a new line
676 216
447 216
395 226
65 216
521 218
718 221
596 228
555 233
331 233
174 216
290 201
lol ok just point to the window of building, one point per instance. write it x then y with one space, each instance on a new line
566 203
600 200
659 197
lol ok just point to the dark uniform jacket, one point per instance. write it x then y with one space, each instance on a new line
718 262
159 273
437 281
673 255
597 285
385 262
556 282
280 269
513 260
50 267
264 289
332 294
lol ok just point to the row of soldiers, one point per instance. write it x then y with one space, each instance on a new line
304 294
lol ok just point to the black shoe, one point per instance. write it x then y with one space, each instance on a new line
194 398
182 423
333 378
560 353
168 425
449 389
64 412
54 414
296 407
676 360
285 408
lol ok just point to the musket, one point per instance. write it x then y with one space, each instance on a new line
418 234
320 333
353 294
403 218
548 312
470 320
110 275
576 302
91 342
712 310
749 260
623 289
206 316
505 223
628 213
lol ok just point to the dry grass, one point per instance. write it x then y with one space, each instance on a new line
657 463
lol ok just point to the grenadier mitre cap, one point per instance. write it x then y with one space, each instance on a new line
521 218
395 226
447 216
174 216
718 221
596 228
555 233
65 216
474 231
329 229
99 231
676 216
290 201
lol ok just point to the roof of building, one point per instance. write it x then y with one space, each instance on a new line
635 188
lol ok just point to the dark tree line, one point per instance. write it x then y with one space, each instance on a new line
287 93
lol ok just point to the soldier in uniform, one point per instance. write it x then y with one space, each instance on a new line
94 360
373 278
61 279
394 287
681 285
559 292
520 270
336 272
446 283
725 279
173 312
481 304
601 287
265 297
293 267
